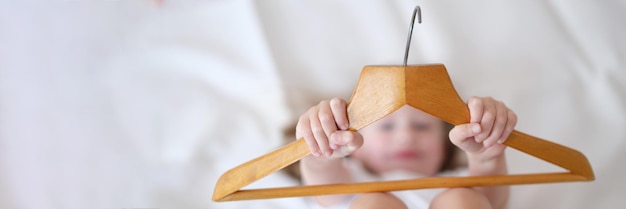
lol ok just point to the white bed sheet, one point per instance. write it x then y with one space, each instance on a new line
118 104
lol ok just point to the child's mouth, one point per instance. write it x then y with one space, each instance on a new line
406 155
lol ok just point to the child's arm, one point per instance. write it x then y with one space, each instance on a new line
325 129
491 122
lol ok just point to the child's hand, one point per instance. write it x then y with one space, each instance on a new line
491 123
325 129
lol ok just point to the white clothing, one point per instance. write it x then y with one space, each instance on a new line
414 199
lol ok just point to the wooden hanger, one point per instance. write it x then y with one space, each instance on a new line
380 91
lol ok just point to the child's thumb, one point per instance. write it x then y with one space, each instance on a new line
464 131
346 141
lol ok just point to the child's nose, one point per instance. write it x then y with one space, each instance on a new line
406 136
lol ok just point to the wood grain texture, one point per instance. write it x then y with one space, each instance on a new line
380 91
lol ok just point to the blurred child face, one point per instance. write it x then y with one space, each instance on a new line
408 139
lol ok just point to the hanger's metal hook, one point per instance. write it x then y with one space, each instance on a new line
418 11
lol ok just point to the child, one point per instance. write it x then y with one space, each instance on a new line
409 141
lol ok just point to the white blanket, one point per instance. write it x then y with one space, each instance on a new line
143 104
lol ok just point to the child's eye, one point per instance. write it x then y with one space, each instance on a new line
418 126
386 126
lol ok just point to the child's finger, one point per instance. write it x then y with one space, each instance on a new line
476 108
303 130
318 131
499 123
338 107
487 120
510 125
326 118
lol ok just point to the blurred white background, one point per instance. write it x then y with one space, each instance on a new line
144 103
